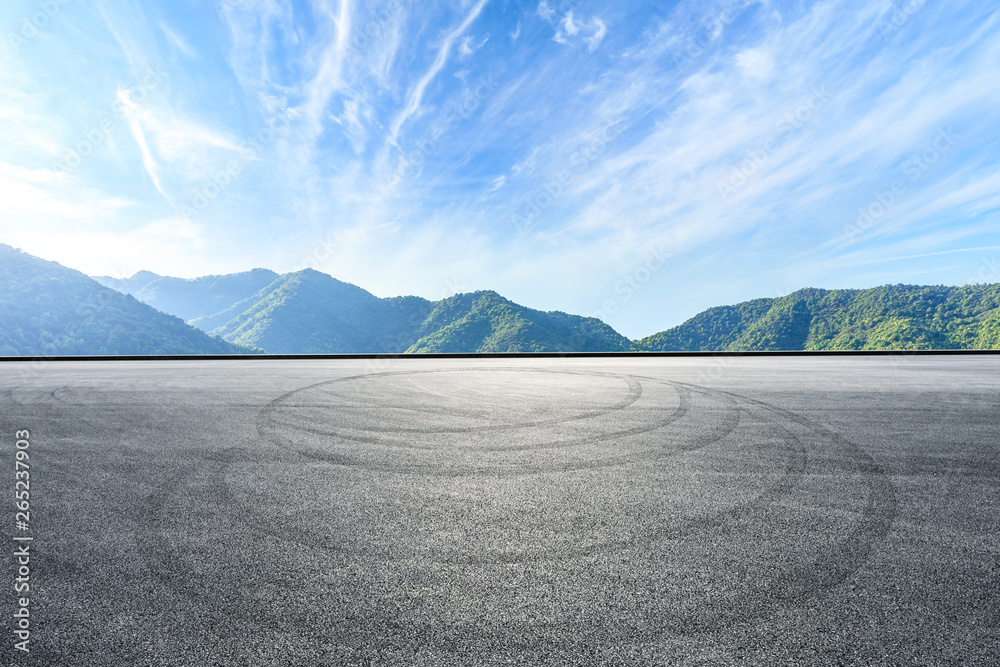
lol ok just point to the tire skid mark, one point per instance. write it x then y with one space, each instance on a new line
879 512
28 396
154 546
268 426
683 406
832 567
801 581
729 423
634 393
796 582
730 415
680 412
265 524
795 468
164 556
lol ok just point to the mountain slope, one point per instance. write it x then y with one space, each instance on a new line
881 318
312 312
193 298
48 309
487 322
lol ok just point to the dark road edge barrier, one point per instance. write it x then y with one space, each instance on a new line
508 355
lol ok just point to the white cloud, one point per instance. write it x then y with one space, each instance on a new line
526 165
329 75
600 30
467 47
568 25
176 152
148 161
173 246
252 26
39 198
570 30
662 185
379 57
756 63
417 94
179 43
132 32
28 128
354 119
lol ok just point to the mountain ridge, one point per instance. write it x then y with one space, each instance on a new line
878 318
47 309
312 312
191 298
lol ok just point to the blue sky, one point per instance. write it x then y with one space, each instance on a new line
636 161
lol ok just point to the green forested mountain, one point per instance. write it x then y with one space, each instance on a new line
903 317
487 322
311 312
191 298
47 309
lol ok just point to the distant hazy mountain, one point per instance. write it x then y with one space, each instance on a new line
881 318
312 312
191 298
48 309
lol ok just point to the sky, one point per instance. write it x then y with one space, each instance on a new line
633 161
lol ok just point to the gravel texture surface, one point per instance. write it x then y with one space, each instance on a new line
704 511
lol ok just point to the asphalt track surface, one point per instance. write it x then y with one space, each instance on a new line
709 511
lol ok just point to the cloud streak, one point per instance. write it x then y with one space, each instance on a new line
148 161
416 96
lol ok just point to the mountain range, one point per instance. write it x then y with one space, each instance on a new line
312 312
48 309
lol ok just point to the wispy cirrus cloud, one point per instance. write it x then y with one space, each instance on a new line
417 94
177 41
329 77
571 29
138 133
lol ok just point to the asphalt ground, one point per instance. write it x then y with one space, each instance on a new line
703 511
